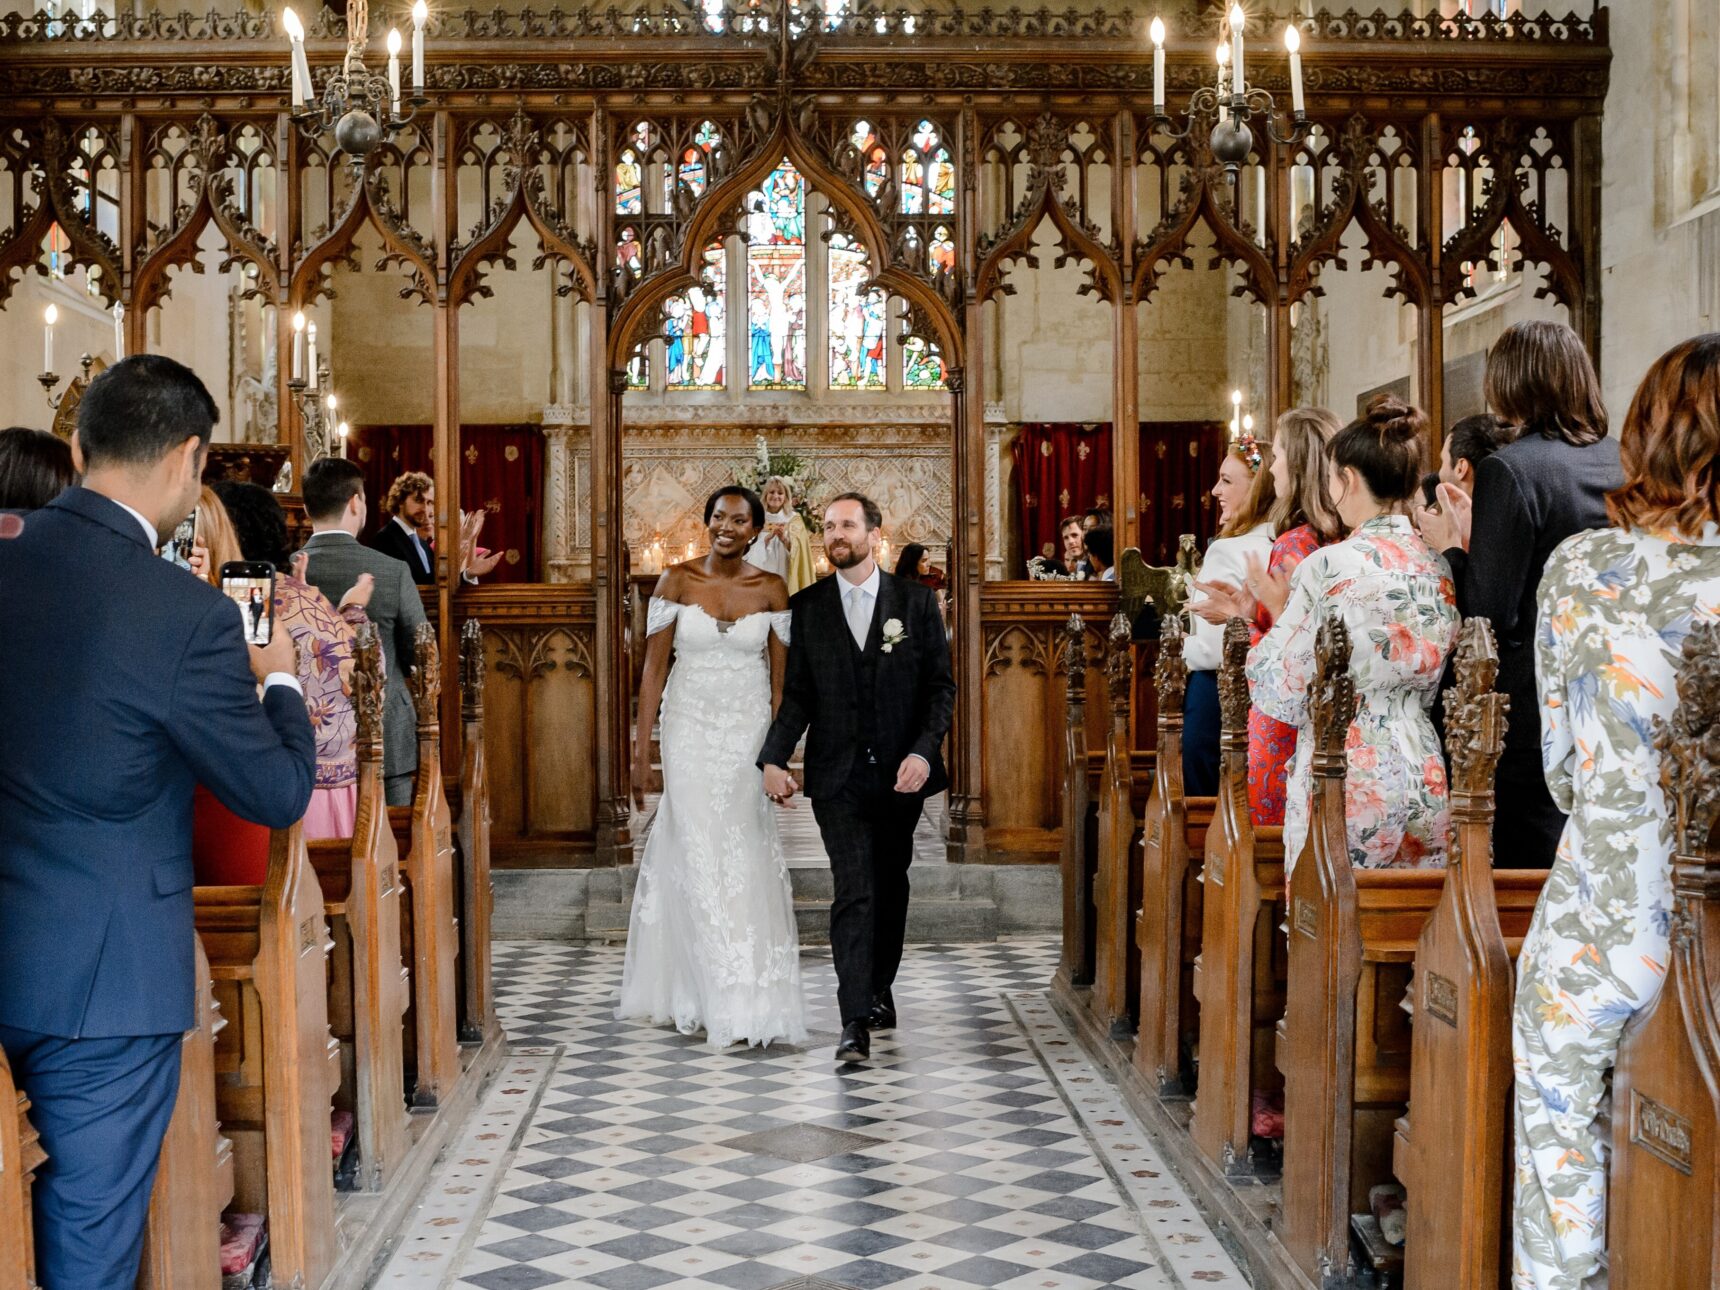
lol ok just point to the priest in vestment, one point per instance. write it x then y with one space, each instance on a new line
785 547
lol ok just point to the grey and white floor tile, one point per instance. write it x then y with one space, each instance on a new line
977 1149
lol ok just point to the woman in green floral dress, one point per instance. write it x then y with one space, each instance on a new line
1615 607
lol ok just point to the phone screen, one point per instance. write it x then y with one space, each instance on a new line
251 586
178 548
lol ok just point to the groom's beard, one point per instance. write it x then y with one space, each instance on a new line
843 555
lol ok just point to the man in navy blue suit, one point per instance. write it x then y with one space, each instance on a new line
124 681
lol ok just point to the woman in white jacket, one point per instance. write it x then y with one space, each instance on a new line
1245 494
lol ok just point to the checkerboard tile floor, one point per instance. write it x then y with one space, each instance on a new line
952 1161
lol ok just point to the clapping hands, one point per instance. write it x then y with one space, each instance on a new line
475 562
1447 526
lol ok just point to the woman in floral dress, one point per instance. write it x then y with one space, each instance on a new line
1615 607
1304 521
1395 595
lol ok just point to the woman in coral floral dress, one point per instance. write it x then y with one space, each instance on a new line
1396 597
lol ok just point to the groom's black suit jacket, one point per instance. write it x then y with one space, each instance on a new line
914 692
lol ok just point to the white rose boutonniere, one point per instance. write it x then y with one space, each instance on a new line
894 634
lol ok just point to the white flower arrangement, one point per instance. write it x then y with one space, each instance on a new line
894 634
800 473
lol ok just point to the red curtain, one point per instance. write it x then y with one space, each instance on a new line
501 471
1061 469
1179 466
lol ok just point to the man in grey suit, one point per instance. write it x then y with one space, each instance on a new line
334 501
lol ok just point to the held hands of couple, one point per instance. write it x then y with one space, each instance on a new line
1449 525
911 777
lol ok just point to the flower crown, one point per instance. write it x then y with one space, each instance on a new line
1246 446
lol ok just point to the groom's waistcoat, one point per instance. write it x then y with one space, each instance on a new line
866 696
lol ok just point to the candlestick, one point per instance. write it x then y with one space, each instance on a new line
118 332
298 364
394 67
301 67
1158 34
420 16
50 316
311 356
340 435
1238 20
1293 42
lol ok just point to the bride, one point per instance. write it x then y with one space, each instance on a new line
712 943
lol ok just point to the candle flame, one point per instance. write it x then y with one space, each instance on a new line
1292 38
1238 19
394 42
51 315
294 28
299 321
420 13
1224 55
1248 422
1236 398
331 403
1158 31
342 431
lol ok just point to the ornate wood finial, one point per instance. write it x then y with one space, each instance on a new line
426 680
368 686
1170 673
1075 657
1689 746
472 670
1120 666
1332 696
1475 712
1233 679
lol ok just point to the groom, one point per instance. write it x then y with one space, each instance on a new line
869 672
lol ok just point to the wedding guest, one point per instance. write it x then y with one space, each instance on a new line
126 683
1616 607
1098 544
1245 496
1470 442
915 562
215 543
35 468
1097 518
784 547
1304 521
409 533
1074 557
1395 595
1551 481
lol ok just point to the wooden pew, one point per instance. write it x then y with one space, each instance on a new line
1240 972
1118 879
1664 1192
20 1157
1079 855
477 897
429 931
1343 1046
1167 928
194 1182
368 984
1451 1149
277 1067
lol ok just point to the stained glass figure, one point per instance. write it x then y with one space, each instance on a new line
928 175
875 162
630 257
630 172
922 365
776 281
857 320
693 326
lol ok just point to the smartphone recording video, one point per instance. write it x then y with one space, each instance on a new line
250 584
178 548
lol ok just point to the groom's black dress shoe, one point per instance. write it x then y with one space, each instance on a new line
883 1012
856 1044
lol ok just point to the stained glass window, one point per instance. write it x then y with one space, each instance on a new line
630 255
928 175
776 281
630 172
857 320
694 331
922 365
874 161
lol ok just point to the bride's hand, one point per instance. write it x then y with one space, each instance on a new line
645 779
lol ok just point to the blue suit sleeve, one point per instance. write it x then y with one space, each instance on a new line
259 759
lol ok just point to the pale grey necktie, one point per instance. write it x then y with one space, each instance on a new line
859 615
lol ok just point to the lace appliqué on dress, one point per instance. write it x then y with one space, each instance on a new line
660 613
779 625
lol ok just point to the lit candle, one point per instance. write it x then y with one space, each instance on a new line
420 16
1223 82
311 358
118 332
299 346
394 67
1158 32
1247 423
301 67
1293 42
341 437
50 316
332 403
1235 403
1238 20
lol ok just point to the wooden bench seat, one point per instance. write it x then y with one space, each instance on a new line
20 1157
476 894
1124 787
429 930
368 983
1079 856
277 1067
194 1183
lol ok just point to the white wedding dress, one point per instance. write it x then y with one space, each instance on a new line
712 944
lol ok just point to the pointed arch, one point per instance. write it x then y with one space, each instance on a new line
1041 203
402 243
1414 283
56 204
1170 240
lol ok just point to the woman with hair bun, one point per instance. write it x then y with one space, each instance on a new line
1395 595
